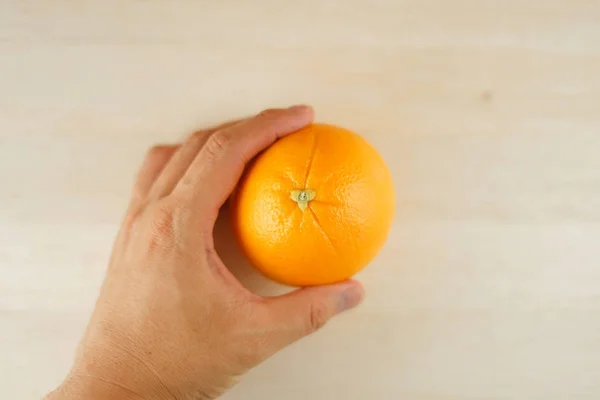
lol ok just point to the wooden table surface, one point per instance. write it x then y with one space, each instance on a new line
488 113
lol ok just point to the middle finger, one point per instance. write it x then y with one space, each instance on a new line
180 162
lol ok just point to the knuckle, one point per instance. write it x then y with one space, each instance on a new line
163 219
129 223
164 225
199 136
217 144
318 317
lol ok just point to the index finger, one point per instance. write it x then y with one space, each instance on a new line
215 171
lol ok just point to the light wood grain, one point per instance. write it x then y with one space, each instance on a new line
488 113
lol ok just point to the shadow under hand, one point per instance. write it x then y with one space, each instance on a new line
233 258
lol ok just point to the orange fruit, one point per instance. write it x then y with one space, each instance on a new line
315 207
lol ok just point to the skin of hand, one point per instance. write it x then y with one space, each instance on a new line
171 322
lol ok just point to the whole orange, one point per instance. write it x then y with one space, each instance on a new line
314 208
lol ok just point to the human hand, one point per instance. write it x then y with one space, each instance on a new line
171 322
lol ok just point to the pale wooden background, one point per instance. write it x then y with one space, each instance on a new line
488 113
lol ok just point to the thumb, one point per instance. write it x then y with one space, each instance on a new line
302 312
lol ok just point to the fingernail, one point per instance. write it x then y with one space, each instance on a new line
300 107
350 298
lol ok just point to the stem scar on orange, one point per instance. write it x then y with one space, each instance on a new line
314 208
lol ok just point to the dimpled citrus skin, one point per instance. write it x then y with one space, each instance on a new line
339 231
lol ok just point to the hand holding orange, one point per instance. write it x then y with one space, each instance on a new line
314 208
